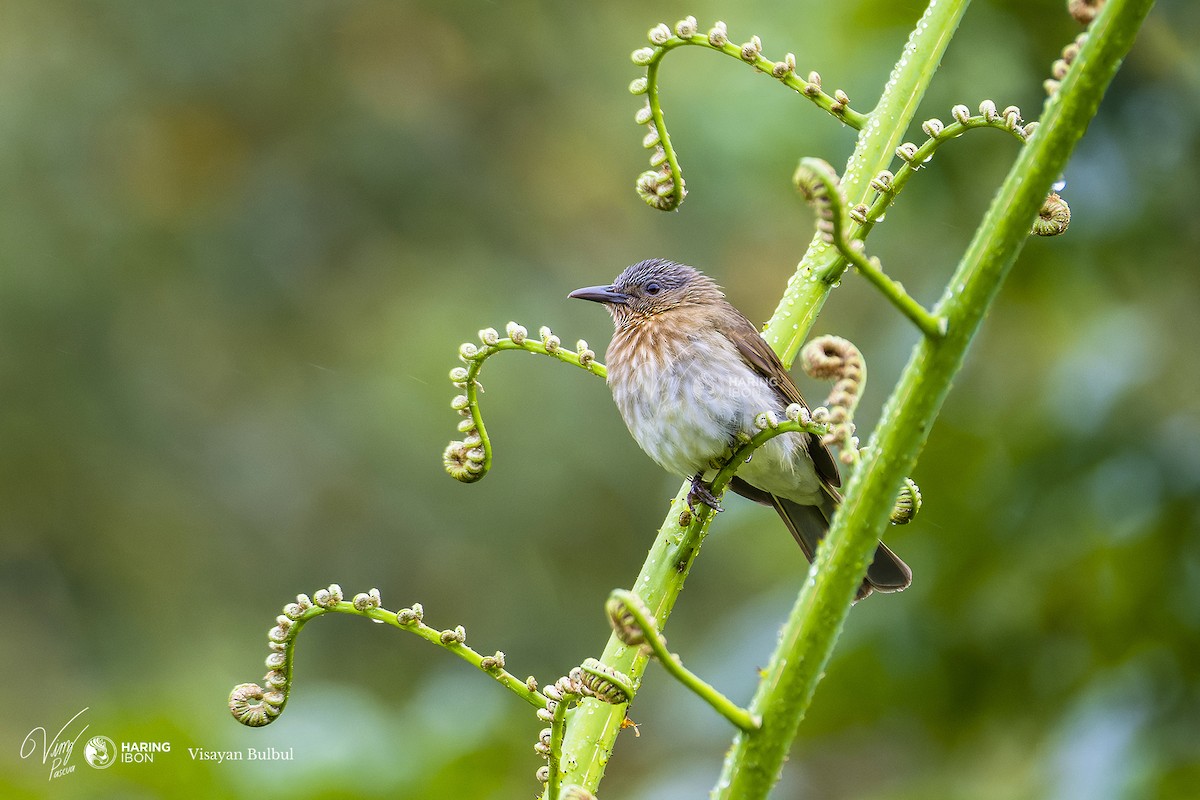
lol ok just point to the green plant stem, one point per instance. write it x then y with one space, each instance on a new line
660 125
822 265
764 65
923 153
928 324
754 763
558 726
702 689
432 635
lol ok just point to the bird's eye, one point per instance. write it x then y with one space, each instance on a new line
652 288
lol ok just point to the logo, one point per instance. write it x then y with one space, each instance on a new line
100 752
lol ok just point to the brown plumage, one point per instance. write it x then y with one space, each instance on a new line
689 373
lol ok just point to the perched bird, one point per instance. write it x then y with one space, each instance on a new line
689 374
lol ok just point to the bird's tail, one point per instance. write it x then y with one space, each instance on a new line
809 524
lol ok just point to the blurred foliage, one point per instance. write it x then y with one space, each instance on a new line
242 241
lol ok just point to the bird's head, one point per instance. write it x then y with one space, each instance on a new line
649 288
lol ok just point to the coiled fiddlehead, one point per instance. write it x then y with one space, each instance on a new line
469 459
662 186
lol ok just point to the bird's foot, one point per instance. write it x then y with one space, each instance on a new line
701 492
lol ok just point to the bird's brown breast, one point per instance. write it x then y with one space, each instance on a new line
658 339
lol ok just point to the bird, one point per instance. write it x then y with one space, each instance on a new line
689 373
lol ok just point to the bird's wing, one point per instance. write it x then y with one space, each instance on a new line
755 351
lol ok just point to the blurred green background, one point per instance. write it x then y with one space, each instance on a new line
241 243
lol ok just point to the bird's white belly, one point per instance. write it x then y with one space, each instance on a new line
687 411
682 425
782 467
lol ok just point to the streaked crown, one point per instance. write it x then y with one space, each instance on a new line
651 287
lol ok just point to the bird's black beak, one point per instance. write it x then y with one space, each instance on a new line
600 294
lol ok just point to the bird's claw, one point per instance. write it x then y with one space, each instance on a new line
701 493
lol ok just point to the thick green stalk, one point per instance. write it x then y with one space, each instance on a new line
822 266
754 763
593 727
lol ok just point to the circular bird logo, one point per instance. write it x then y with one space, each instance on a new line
100 752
